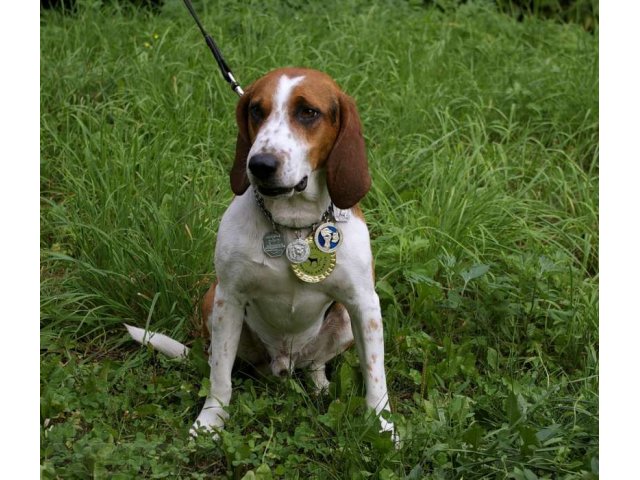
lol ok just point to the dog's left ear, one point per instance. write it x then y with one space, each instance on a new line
348 177
238 174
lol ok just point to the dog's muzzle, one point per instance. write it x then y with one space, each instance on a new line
263 167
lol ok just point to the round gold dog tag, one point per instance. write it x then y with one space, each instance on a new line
317 267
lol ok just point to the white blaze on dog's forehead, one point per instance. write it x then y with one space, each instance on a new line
283 92
277 124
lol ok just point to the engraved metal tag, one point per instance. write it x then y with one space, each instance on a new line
273 244
327 237
317 267
298 251
341 215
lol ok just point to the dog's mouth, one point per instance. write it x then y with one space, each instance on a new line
302 184
280 191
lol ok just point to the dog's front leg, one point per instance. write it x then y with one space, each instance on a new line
366 323
225 324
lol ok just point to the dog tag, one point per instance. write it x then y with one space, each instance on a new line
327 237
317 267
341 215
273 244
298 251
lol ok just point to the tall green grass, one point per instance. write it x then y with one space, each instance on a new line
483 146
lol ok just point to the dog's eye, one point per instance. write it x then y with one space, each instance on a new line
257 115
308 114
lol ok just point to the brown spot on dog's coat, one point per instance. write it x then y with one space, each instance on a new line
206 307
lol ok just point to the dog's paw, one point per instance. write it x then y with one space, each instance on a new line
320 390
319 379
321 387
211 421
386 426
197 429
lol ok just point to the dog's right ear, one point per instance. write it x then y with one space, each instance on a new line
238 174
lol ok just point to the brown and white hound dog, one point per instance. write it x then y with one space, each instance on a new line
299 149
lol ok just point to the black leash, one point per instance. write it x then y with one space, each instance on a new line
224 68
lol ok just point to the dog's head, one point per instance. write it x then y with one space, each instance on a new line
293 123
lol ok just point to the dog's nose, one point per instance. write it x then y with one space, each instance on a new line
263 165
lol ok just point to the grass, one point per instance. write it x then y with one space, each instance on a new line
483 146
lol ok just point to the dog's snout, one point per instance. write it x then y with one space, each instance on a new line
263 165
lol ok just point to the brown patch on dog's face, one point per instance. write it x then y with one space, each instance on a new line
260 103
314 115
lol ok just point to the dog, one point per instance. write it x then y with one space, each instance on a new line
300 160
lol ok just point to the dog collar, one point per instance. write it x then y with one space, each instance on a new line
312 257
327 216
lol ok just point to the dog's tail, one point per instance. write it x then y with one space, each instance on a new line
167 345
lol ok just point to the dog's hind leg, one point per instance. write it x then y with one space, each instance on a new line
335 337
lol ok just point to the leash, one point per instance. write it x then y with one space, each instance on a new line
224 68
312 258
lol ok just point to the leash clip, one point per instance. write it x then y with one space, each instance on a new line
217 54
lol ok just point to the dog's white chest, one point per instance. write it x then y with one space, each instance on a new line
279 307
284 313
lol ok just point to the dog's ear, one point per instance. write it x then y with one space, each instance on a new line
238 174
348 177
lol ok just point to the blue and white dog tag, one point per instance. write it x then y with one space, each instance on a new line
327 237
